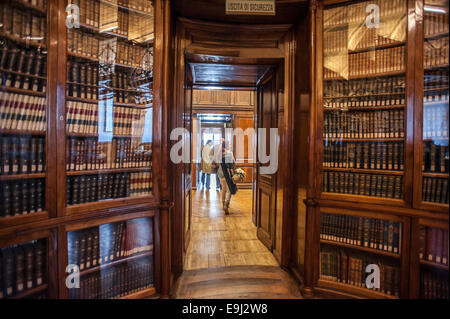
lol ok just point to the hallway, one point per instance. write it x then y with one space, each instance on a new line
225 259
218 240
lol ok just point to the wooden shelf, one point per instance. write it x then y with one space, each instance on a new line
435 174
363 170
360 248
363 76
96 135
365 108
363 199
354 290
433 264
110 203
436 36
96 60
368 139
109 170
436 67
366 49
110 88
30 292
21 132
145 293
436 89
21 91
23 41
92 101
116 262
21 176
11 221
435 138
23 74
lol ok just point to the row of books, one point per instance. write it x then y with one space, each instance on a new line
340 41
348 267
88 74
37 3
433 245
23 24
89 153
24 61
435 23
22 112
369 63
435 121
361 231
435 52
366 101
91 46
433 285
107 93
22 267
436 79
23 82
356 13
386 186
365 87
435 157
367 124
435 190
364 155
101 245
83 118
92 188
435 96
116 282
22 154
21 197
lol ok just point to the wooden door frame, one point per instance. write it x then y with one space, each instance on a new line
284 55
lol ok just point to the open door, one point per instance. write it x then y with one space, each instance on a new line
265 186
187 171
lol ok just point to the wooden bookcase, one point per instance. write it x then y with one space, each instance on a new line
374 118
90 89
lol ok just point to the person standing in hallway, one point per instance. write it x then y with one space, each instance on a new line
217 154
226 159
207 162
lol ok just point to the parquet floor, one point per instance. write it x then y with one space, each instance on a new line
249 282
218 240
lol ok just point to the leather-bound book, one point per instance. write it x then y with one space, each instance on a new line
40 262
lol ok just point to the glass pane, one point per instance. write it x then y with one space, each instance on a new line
364 98
342 265
114 260
23 69
109 108
435 103
23 270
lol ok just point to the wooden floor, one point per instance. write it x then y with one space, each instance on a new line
218 240
249 282
225 259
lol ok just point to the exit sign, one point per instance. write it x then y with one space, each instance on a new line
250 7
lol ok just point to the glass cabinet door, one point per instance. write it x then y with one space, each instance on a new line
109 104
364 98
435 103
114 260
24 270
23 107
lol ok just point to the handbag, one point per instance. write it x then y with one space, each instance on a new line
228 177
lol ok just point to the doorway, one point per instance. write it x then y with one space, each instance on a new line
216 239
264 72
